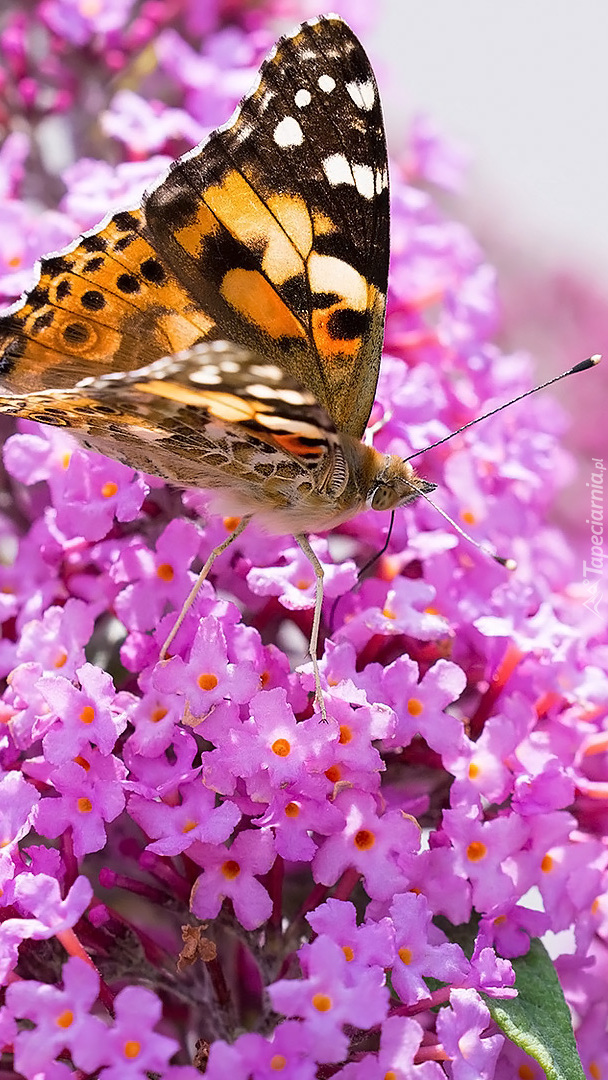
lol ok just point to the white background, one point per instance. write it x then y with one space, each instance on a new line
523 85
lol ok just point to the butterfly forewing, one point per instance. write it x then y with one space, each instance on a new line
273 233
272 236
280 222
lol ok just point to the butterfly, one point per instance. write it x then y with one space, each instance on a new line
226 334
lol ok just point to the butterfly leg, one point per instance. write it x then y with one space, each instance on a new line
188 602
304 544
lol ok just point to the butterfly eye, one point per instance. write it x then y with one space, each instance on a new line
384 498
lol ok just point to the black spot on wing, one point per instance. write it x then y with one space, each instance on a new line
345 324
126 221
63 289
128 283
76 333
93 300
223 252
38 297
56 265
43 321
152 271
94 242
93 265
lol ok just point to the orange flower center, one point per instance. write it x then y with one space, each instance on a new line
281 748
476 851
364 839
322 1002
231 869
207 681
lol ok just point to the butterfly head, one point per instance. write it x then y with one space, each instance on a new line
396 484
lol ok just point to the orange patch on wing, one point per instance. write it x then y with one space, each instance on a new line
239 208
99 346
180 332
327 274
322 224
332 347
293 444
222 406
292 214
253 297
192 236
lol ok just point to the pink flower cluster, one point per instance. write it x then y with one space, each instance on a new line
234 887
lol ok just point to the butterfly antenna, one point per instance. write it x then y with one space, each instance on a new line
509 564
379 554
582 366
364 569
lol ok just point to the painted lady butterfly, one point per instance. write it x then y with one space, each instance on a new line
227 333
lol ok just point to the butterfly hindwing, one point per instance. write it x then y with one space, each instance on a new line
280 221
213 416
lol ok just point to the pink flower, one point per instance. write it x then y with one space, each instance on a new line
325 1001
370 843
206 678
232 872
262 894
460 1029
61 1018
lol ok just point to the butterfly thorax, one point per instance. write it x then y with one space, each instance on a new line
351 477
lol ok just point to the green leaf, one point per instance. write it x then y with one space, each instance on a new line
538 1019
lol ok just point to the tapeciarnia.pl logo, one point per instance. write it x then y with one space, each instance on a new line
594 569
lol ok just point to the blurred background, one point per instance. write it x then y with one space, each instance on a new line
523 87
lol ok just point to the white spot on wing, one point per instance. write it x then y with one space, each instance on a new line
297 427
288 132
268 393
326 83
302 98
266 371
147 434
207 376
337 170
363 94
364 180
381 180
